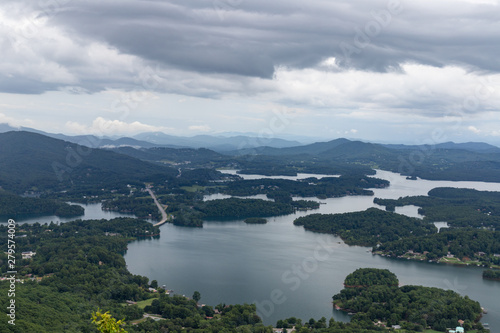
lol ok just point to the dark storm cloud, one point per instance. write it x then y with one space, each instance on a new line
24 85
231 39
250 38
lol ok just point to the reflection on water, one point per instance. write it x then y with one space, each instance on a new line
299 175
240 263
92 212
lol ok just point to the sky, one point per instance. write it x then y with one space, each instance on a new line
386 71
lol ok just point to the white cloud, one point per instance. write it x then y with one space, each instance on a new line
474 129
200 128
102 127
15 122
419 89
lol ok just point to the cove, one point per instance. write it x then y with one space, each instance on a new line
93 211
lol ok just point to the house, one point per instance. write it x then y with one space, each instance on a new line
28 255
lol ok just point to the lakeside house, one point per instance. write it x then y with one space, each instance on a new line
28 254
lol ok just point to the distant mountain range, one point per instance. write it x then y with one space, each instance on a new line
236 144
479 147
347 146
159 139
43 160
217 143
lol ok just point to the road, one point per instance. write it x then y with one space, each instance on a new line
164 216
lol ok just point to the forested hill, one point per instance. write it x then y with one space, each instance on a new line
172 155
30 160
473 161
373 295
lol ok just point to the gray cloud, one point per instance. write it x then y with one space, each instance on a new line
250 38
243 38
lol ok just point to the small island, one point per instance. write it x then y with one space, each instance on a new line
373 295
255 220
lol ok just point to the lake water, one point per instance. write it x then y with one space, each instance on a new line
288 271
92 212
299 175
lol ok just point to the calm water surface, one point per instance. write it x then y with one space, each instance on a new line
92 212
288 271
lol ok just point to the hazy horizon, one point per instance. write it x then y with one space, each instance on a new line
301 140
380 71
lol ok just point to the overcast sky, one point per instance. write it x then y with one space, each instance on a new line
388 71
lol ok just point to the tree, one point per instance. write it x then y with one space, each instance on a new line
196 296
154 284
106 323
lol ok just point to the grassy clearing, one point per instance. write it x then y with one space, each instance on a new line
137 321
193 188
143 304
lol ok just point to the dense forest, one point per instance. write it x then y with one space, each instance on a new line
12 205
78 267
399 236
236 207
140 204
482 246
459 207
366 277
374 294
367 228
327 187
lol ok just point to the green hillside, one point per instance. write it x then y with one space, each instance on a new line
33 161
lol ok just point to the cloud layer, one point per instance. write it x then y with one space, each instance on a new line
348 57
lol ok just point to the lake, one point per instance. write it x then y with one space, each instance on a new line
288 271
92 212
